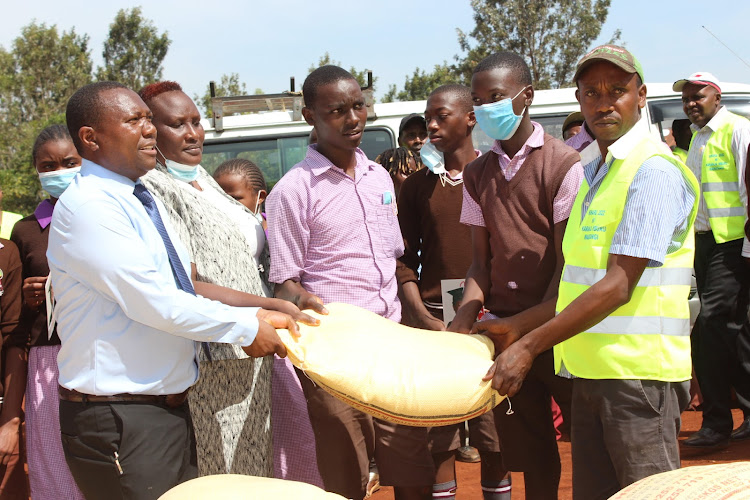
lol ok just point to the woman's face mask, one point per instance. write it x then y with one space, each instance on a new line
497 119
57 181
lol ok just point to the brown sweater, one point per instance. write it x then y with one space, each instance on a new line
519 218
32 246
10 302
429 214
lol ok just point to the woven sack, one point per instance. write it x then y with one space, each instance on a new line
393 372
239 487
721 481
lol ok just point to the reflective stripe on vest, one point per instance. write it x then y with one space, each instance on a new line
648 337
720 183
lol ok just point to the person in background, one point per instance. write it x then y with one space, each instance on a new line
57 162
7 219
623 322
435 241
582 138
412 133
718 158
13 368
682 136
334 237
572 125
228 248
517 199
293 438
400 163
243 180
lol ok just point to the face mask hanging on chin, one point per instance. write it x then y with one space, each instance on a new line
497 119
179 171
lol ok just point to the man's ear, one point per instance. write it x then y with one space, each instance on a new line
87 136
472 119
308 115
642 96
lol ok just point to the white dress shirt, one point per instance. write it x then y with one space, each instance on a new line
740 143
124 324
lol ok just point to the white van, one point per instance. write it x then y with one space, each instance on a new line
277 140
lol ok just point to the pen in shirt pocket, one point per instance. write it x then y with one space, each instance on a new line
390 199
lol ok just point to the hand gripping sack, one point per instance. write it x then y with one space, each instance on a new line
393 372
239 487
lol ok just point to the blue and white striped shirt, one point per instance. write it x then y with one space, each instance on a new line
659 201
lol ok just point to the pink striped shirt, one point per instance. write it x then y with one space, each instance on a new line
471 212
338 237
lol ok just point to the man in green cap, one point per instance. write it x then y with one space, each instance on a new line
622 328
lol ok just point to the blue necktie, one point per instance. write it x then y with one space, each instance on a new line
180 276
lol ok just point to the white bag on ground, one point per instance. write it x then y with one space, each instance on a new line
239 487
394 372
725 481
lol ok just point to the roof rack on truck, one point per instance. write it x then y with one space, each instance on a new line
286 101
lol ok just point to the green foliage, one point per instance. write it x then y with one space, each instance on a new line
134 51
360 76
419 85
229 85
551 35
37 77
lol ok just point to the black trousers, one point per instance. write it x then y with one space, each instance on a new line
127 450
721 362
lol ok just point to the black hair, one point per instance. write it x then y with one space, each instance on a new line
85 107
49 134
246 169
461 93
509 60
322 76
396 161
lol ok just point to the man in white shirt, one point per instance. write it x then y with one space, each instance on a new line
718 157
127 314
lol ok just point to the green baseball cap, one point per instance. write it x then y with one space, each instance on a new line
619 56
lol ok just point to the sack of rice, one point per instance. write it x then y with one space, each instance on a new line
394 372
239 487
725 481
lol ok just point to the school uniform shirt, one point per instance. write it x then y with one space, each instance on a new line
338 237
124 324
10 299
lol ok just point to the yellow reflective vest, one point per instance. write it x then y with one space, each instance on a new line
649 337
720 183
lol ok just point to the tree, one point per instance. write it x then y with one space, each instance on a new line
229 85
551 35
420 84
134 51
360 76
37 77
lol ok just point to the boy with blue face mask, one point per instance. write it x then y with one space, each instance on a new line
517 199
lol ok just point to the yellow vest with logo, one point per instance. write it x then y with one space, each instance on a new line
720 184
649 337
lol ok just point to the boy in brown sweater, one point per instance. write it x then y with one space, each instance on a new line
517 199
429 213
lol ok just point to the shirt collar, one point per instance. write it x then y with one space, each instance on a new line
716 122
114 180
535 140
319 164
622 147
43 213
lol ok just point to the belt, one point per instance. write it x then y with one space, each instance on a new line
169 400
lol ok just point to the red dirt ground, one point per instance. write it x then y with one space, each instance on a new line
468 474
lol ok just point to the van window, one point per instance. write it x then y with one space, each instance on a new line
276 156
664 111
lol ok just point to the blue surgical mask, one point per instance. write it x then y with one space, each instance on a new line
184 173
57 181
497 119
432 158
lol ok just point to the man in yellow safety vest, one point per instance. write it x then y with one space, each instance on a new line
717 156
622 329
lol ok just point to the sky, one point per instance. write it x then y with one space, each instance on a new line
267 42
